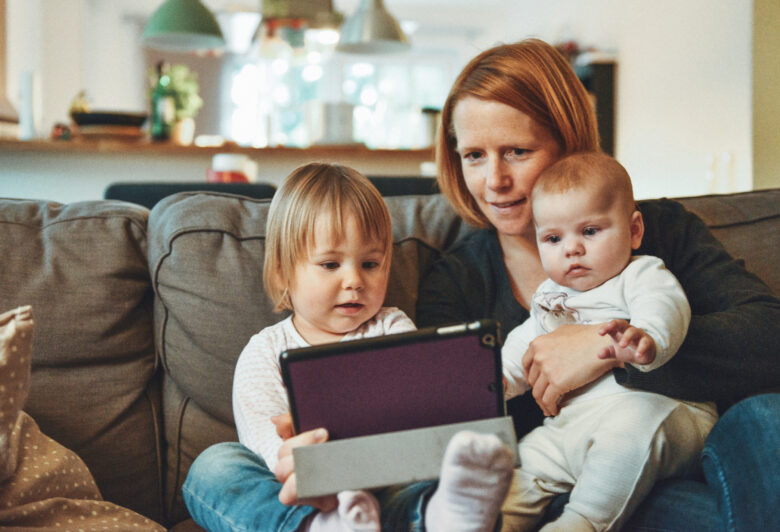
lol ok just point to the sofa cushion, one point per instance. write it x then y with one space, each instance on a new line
746 223
205 258
83 269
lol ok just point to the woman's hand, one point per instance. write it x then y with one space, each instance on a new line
564 360
285 467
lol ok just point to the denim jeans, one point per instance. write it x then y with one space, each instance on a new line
742 459
230 488
739 491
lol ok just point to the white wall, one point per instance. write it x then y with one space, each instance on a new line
684 73
684 77
683 88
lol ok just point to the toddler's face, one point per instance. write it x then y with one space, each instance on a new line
583 241
339 286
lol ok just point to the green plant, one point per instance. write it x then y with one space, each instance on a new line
182 85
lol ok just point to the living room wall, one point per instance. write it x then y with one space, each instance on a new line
684 77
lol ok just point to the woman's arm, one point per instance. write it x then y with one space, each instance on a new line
469 283
472 283
731 350
564 360
442 296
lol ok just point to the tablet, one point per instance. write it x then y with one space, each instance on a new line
424 378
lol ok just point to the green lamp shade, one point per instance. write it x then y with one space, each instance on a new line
371 30
182 26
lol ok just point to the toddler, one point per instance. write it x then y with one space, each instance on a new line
609 444
327 260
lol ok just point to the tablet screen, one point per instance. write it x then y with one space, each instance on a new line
423 378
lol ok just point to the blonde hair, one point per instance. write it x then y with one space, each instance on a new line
313 195
596 171
534 78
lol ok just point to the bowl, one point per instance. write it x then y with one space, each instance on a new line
106 118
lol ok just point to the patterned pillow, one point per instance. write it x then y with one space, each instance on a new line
15 348
43 484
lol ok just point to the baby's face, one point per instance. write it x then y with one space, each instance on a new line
340 285
583 240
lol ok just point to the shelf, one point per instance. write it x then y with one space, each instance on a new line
149 148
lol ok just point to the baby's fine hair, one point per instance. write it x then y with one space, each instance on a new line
313 195
595 171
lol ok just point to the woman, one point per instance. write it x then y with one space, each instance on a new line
514 110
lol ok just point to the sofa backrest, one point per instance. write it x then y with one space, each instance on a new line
83 269
748 226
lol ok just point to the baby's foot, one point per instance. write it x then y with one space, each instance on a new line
358 511
475 476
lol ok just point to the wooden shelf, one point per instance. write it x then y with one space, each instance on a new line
148 148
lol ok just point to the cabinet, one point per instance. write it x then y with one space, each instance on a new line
599 80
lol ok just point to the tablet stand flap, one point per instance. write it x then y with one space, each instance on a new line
380 460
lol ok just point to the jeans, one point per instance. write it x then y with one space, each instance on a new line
741 463
229 489
742 458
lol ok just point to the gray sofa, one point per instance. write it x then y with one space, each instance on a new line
140 316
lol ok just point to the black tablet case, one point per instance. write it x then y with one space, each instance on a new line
424 378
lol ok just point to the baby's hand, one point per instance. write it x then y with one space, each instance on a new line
629 344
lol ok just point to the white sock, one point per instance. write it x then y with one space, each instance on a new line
358 511
475 476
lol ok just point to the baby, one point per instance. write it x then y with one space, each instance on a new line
609 444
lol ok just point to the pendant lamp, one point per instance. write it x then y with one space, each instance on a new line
372 30
182 26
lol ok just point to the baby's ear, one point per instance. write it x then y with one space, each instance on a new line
637 229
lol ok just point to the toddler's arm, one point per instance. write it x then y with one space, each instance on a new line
259 394
629 344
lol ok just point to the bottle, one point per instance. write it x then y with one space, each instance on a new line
163 105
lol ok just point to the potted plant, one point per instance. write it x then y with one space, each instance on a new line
175 103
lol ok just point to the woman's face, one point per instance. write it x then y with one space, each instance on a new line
502 152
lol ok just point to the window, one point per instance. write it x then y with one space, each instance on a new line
279 95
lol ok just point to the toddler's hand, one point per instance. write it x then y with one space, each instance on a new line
284 425
629 344
285 468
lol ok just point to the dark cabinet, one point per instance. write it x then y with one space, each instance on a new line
599 80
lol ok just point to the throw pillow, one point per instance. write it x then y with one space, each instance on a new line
43 485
